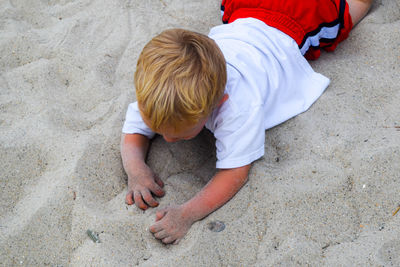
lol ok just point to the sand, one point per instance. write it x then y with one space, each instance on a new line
323 195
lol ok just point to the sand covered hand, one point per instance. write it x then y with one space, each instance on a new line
143 184
171 224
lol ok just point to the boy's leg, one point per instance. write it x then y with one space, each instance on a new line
358 9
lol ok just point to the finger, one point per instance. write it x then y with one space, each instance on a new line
148 198
168 240
177 242
128 198
160 214
157 227
139 201
157 190
161 234
158 181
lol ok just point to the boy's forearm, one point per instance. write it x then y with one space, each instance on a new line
133 151
222 187
134 146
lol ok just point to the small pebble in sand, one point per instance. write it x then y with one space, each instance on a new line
93 235
216 226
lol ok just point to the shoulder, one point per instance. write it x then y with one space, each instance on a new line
239 134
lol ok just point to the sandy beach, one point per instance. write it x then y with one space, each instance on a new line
324 194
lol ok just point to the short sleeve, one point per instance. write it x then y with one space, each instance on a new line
134 123
239 137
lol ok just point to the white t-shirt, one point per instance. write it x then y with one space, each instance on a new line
269 82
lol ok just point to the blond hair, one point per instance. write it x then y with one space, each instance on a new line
180 78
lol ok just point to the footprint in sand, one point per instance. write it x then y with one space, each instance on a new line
100 174
20 167
389 253
384 11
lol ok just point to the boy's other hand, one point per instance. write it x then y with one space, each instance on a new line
171 224
142 186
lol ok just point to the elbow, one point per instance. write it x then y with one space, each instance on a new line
244 174
246 170
121 145
244 179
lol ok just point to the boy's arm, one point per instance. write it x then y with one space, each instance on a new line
172 223
222 187
142 182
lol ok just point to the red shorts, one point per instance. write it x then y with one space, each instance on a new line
313 24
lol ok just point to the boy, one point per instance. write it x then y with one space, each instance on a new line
248 75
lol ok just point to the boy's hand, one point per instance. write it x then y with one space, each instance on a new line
142 185
171 224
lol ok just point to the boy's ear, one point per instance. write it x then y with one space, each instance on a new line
223 99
